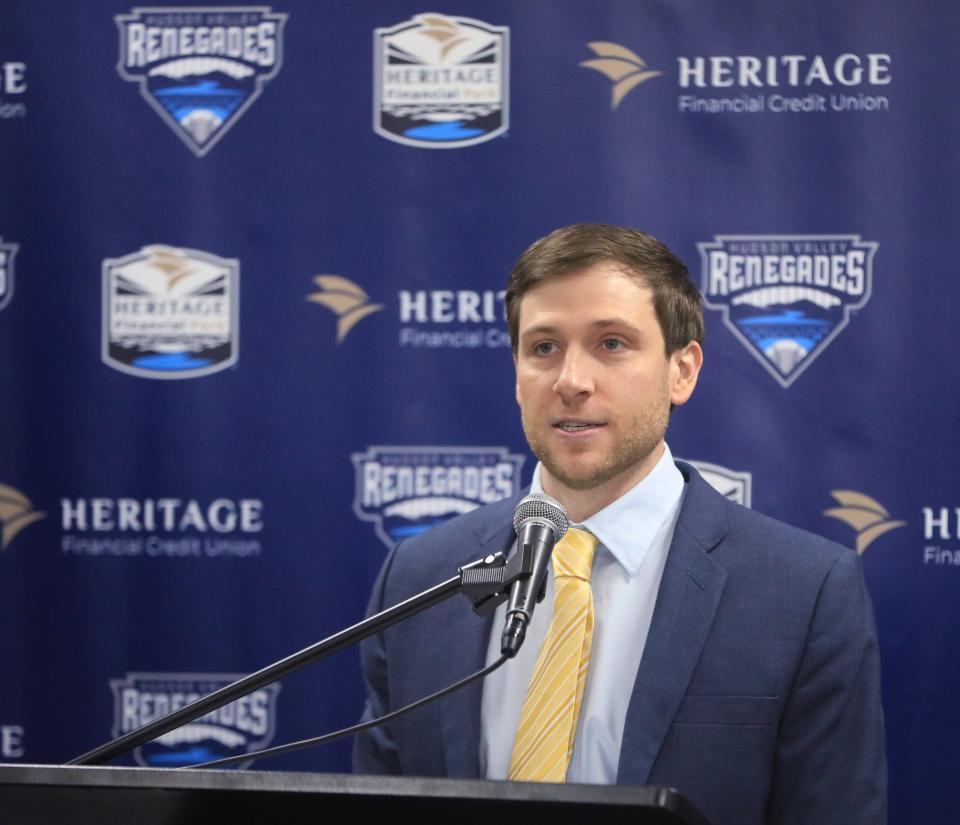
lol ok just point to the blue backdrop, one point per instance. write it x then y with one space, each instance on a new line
251 321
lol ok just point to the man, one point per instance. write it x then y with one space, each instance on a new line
713 649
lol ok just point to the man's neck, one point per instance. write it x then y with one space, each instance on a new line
581 504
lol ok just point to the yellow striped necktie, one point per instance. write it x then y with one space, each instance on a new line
548 723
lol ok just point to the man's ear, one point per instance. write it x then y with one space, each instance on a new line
684 370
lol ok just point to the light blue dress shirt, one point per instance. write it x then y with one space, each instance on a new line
634 532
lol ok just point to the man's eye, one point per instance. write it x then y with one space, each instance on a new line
544 348
612 344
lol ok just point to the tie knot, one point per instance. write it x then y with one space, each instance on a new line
573 555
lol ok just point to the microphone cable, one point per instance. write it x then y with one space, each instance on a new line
339 734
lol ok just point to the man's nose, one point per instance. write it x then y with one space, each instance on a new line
575 378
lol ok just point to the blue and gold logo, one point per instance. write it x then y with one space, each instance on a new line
170 313
441 82
8 251
243 726
786 297
406 490
200 68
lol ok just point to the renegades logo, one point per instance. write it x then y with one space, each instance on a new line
200 68
406 490
786 297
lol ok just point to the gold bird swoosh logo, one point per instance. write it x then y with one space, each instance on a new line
623 67
16 512
344 299
867 516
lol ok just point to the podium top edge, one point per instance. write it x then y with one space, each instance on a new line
336 784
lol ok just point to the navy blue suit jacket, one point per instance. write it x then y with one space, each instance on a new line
758 694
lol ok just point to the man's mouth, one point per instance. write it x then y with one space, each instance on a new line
576 426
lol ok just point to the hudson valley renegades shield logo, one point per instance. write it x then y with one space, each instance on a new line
243 726
786 297
735 485
441 82
170 313
406 490
200 67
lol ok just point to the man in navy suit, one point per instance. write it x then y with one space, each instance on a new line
733 657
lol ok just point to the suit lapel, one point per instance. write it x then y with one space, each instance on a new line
464 645
686 605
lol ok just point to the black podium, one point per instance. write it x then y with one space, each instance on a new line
48 795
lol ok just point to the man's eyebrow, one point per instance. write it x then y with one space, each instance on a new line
600 323
615 322
538 329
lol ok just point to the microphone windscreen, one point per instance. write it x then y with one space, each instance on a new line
542 508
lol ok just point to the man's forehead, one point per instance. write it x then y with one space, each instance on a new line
602 293
604 271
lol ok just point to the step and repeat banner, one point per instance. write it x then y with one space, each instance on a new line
252 262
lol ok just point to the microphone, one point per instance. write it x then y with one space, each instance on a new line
540 522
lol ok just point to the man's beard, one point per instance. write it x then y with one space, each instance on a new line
638 438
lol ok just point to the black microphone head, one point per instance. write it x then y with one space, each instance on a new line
543 509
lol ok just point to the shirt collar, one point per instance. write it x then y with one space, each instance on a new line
628 526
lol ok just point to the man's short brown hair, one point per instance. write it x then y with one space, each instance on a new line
676 300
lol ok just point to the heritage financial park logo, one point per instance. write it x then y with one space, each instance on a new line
8 251
786 297
407 490
243 726
170 313
441 82
200 67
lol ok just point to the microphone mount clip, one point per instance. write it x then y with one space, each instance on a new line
487 581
